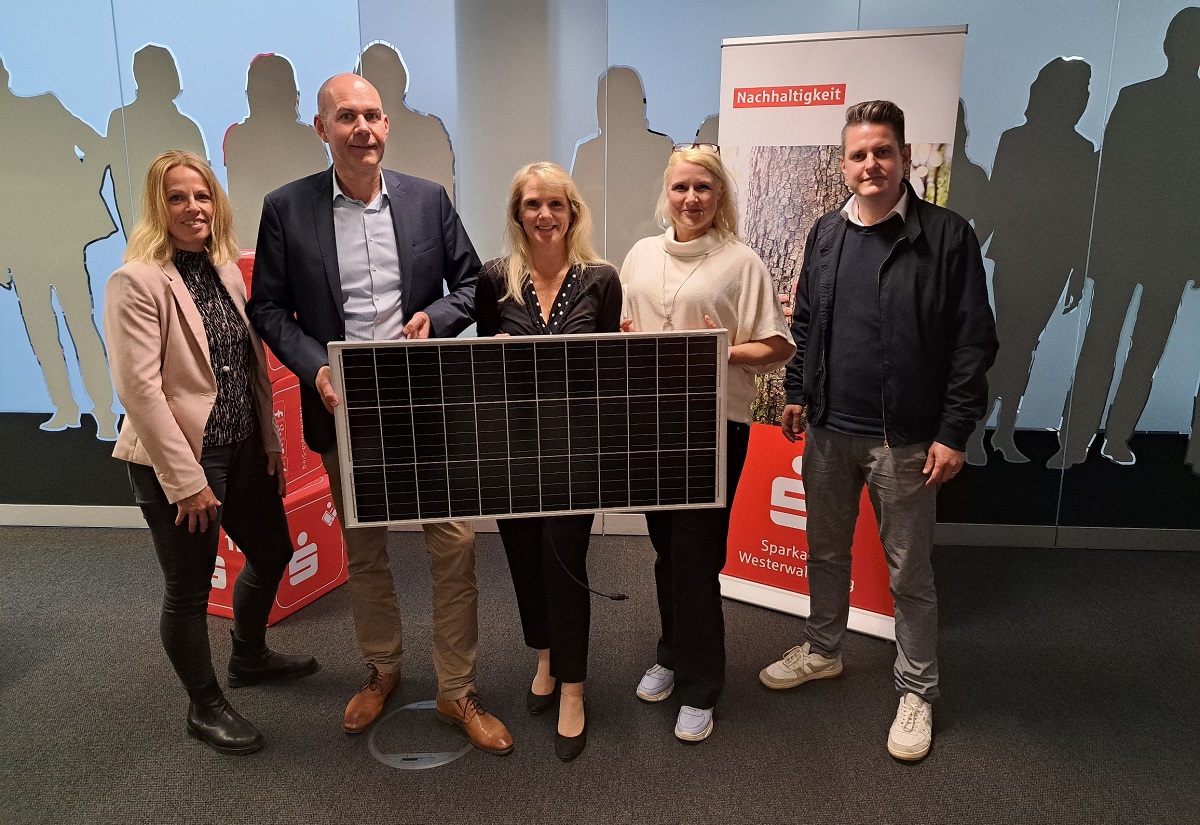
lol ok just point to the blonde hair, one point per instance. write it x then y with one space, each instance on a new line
726 219
151 240
516 245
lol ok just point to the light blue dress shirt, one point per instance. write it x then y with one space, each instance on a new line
369 265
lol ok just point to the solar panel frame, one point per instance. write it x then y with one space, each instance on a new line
425 425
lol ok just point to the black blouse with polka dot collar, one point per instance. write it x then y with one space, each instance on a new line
588 301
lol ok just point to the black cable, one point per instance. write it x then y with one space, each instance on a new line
616 597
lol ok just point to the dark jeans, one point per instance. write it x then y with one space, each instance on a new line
252 514
556 612
691 553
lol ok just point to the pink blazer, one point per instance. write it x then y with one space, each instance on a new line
161 370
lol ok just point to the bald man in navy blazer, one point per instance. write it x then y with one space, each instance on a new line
363 253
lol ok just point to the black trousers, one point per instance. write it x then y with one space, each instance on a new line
690 547
556 613
252 514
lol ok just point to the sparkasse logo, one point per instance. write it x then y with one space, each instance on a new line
753 97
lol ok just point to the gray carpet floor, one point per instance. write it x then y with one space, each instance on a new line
1069 696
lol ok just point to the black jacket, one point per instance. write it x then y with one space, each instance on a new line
939 335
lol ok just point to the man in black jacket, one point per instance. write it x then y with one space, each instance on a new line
894 336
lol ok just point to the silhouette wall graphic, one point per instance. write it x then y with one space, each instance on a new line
139 131
619 171
271 146
418 143
968 195
1146 231
50 210
1042 188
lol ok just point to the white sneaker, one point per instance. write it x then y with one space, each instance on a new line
693 724
799 665
912 731
656 685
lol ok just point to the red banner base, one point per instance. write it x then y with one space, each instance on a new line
318 565
767 561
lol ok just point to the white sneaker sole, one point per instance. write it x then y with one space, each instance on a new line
684 736
783 684
906 756
656 697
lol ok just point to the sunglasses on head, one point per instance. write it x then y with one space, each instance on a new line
700 147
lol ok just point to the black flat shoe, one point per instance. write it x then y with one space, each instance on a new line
538 703
222 728
567 748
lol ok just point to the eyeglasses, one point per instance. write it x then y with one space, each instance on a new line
699 147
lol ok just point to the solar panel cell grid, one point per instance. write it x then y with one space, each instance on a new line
524 426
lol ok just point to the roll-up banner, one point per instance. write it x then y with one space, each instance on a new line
783 103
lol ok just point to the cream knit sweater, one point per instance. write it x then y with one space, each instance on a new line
723 279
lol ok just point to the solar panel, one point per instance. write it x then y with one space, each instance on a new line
433 430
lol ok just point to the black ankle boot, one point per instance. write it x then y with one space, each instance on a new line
211 720
253 663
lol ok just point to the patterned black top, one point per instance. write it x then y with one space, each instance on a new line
233 417
589 300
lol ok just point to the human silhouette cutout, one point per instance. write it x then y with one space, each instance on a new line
968 195
619 171
709 130
271 146
50 209
1146 231
139 131
1044 177
418 143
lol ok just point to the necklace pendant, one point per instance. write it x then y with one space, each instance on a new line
668 326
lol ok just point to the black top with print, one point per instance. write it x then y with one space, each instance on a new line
233 417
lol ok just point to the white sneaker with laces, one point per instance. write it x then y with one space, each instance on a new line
799 665
656 685
912 731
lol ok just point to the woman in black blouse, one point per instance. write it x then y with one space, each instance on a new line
550 282
199 435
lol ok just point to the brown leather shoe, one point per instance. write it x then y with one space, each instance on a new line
485 731
366 705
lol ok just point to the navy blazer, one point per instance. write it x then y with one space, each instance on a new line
296 294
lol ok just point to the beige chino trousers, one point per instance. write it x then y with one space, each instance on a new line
376 610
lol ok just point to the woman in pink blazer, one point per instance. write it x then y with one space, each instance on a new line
199 435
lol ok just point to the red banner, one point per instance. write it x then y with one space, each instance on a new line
768 542
317 566
275 369
301 466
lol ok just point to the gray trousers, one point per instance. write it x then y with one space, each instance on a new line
835 468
